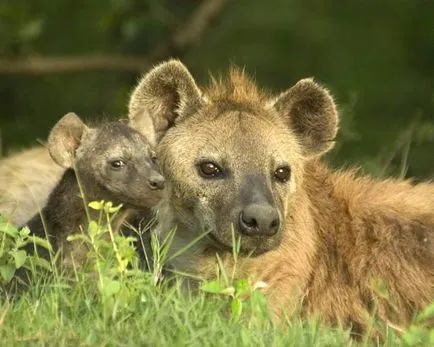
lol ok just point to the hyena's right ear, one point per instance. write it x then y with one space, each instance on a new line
65 138
166 93
311 114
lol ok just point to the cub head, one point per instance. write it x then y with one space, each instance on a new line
232 155
113 161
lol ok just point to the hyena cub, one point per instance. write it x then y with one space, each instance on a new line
111 162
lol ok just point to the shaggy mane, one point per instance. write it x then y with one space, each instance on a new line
235 88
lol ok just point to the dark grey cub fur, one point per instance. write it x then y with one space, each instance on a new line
113 162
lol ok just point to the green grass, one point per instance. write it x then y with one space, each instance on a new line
111 302
62 313
59 314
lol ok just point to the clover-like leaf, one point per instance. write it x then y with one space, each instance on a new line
96 205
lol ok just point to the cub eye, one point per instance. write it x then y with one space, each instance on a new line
208 169
117 164
282 174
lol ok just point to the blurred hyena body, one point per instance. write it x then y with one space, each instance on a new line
26 179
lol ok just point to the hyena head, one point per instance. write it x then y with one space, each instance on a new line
113 161
231 154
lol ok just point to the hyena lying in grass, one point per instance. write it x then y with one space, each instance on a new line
236 157
113 162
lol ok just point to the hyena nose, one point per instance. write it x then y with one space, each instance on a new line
156 182
256 220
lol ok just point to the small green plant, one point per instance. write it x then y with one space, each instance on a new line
12 254
160 254
113 257
238 290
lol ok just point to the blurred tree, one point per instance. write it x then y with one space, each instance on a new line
376 57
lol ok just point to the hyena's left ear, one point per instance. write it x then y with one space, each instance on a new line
65 138
312 115
165 94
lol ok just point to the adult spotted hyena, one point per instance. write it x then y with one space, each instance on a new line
236 157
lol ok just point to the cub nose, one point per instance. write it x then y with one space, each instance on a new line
256 220
156 181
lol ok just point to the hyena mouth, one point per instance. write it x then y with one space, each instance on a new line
251 249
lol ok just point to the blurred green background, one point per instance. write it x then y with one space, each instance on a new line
377 58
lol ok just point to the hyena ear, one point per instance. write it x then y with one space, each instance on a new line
312 115
65 138
166 93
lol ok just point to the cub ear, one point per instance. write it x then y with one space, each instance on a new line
166 93
311 114
65 138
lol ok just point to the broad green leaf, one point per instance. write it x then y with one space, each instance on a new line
20 258
214 287
93 228
96 205
9 229
236 308
7 271
115 209
242 288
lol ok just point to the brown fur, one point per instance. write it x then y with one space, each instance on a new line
339 232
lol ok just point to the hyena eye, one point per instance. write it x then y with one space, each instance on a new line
209 169
117 164
282 174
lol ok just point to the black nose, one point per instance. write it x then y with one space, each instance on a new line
256 220
156 181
